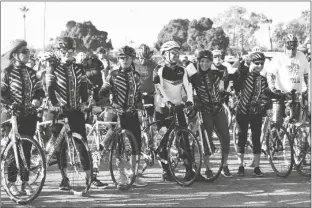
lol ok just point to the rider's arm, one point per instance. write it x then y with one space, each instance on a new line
51 84
5 86
83 90
272 74
106 87
157 82
306 72
268 93
225 78
188 88
38 89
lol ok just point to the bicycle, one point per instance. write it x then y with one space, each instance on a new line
214 155
122 148
177 148
299 128
67 141
13 155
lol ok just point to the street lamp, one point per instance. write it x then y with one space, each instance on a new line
269 21
24 9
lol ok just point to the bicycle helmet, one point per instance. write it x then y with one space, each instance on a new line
145 52
216 52
126 50
291 41
256 56
204 54
65 43
169 45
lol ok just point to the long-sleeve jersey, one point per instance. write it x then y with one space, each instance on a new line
146 74
170 83
206 85
254 91
124 85
19 84
66 84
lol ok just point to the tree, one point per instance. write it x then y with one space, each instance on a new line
176 30
240 26
86 36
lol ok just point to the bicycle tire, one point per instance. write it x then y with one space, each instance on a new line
302 150
8 155
84 186
128 143
215 154
278 145
176 152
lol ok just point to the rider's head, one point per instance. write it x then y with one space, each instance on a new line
144 53
101 52
170 50
217 57
126 56
17 52
290 45
65 47
204 59
256 62
257 49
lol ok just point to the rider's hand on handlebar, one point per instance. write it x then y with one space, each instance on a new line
169 104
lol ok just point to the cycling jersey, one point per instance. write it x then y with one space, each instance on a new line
170 83
20 85
124 86
93 68
254 91
146 74
286 73
66 84
221 71
206 85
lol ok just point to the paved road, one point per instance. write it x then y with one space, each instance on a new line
269 191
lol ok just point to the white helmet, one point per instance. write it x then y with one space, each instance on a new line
257 49
43 56
169 45
80 57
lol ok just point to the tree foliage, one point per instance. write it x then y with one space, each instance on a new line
86 36
192 35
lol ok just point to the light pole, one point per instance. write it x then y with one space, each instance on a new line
44 25
269 21
24 9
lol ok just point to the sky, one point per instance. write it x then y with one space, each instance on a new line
125 21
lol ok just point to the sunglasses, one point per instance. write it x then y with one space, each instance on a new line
259 62
25 51
127 58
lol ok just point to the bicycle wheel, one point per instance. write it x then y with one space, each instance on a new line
213 157
72 164
123 159
179 157
279 150
302 149
147 154
37 165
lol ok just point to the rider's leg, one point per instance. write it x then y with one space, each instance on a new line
208 124
255 126
242 127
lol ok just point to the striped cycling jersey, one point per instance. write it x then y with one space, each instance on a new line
19 84
206 85
124 85
254 91
66 84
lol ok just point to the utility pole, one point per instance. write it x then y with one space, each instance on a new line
44 26
24 10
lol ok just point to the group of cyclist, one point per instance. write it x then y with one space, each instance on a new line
199 85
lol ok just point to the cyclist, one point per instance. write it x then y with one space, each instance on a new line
145 69
287 72
101 53
170 80
208 78
67 89
254 92
124 85
19 86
